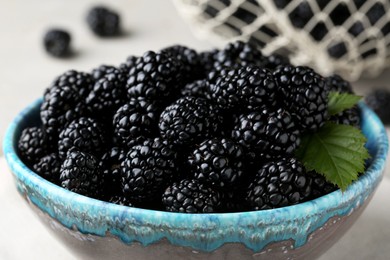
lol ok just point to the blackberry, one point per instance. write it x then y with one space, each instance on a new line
379 101
207 60
57 42
319 186
80 173
154 76
32 144
338 84
237 54
279 183
83 133
273 61
120 200
128 64
63 101
304 93
147 169
101 71
190 196
189 59
348 117
110 163
218 162
268 133
103 21
108 94
246 87
137 118
198 88
48 167
189 120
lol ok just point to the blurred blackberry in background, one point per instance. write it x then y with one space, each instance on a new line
379 101
199 88
273 61
80 173
33 145
57 42
207 59
48 167
338 84
348 117
305 93
189 120
190 196
83 133
103 21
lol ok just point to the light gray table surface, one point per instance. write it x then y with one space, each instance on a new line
26 70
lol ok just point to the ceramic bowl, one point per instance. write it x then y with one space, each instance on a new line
95 229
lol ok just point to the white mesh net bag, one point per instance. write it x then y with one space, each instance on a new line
348 37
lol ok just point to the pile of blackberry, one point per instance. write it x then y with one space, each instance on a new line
183 131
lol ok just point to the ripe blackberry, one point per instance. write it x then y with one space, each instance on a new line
101 71
103 21
189 59
199 88
246 87
137 118
305 93
110 163
120 200
32 144
128 64
83 133
273 61
348 117
189 120
57 42
48 167
379 101
267 132
63 101
338 84
237 54
80 173
207 60
190 196
319 186
108 94
218 162
279 183
154 76
147 169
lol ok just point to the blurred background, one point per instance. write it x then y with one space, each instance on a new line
26 70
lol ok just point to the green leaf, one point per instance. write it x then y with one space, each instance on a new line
338 102
335 151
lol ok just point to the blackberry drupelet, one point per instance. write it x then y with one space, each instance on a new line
32 144
189 120
147 169
154 76
101 71
268 133
348 117
57 42
103 21
338 84
189 59
137 118
244 88
128 64
379 101
279 183
64 101
120 200
199 88
218 162
85 134
275 60
190 196
108 94
207 60
305 93
48 167
80 173
110 163
319 186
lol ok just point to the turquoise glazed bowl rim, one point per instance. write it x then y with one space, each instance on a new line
205 232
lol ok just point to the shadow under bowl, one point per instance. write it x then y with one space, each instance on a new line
95 229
